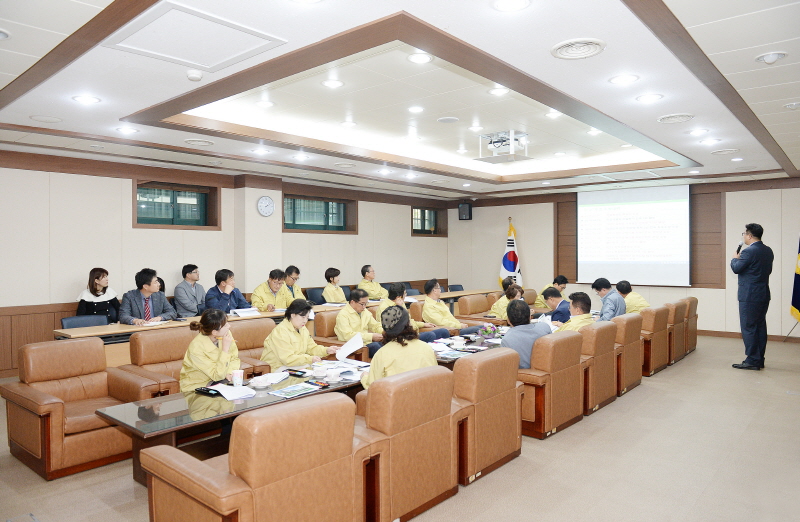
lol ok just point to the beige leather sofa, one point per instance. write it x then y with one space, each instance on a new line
628 350
655 340
691 324
600 382
676 330
473 309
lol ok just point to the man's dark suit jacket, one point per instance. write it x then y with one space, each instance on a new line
132 308
561 313
754 267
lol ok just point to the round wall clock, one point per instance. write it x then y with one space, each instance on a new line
266 206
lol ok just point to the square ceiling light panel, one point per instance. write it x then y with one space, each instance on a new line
178 34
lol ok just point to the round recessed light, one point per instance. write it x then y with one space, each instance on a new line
86 100
792 106
626 146
420 58
498 91
698 132
411 176
560 154
332 84
261 151
4 35
578 48
737 159
415 109
624 79
348 124
594 132
344 165
385 171
770 58
553 114
508 6
722 152
649 98
215 162
709 141
199 143
447 119
675 118
265 104
46 119
461 151
694 172
301 157
127 130
476 128
545 182
465 185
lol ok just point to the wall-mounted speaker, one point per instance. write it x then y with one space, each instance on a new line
465 211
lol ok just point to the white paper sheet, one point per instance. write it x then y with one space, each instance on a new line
354 344
268 379
154 323
234 392
246 312
549 320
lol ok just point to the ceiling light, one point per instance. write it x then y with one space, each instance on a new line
261 151
624 79
216 163
461 151
127 130
722 152
675 118
698 132
578 48
508 6
553 114
332 84
737 159
96 147
420 58
465 185
770 58
4 35
348 124
264 104
792 106
415 109
46 119
385 171
476 128
649 98
594 132
694 172
194 75
626 145
199 143
560 154
345 165
86 100
545 182
447 119
301 157
498 91
709 141
411 176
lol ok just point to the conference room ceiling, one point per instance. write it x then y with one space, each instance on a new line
143 67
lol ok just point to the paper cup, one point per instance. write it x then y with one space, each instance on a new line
238 377
320 372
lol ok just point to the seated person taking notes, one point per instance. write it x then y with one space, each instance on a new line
397 295
225 296
267 296
559 283
613 303
402 351
190 296
290 289
98 298
290 343
436 312
523 333
373 289
512 292
354 319
634 302
580 309
212 355
145 304
558 305
333 293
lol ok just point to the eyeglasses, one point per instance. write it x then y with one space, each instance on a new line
362 305
295 279
194 272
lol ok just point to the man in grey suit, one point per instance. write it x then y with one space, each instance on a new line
753 265
145 304
190 296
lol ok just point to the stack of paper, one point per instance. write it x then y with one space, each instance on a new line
268 379
233 393
295 390
349 348
246 312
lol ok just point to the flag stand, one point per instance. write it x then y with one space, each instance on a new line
790 331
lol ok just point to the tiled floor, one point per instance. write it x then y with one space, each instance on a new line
700 441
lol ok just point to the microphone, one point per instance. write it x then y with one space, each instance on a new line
739 248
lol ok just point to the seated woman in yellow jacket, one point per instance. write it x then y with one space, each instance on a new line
333 293
402 350
500 307
212 355
397 296
290 343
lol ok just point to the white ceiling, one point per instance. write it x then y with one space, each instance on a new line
127 83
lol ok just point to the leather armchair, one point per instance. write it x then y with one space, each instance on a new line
493 297
553 395
676 330
691 324
600 378
628 350
413 411
655 340
472 310
487 381
250 335
294 461
52 425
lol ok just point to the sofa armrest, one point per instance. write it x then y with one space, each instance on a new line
31 399
646 334
259 366
533 377
361 403
366 434
130 387
166 382
219 490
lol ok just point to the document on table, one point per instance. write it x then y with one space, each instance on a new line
268 379
549 321
350 347
334 304
295 390
234 392
246 312
452 354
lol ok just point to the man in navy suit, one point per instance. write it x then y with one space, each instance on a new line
753 265
558 305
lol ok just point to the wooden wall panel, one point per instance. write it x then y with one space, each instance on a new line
6 361
707 239
566 247
30 328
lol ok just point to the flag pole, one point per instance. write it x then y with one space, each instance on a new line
790 331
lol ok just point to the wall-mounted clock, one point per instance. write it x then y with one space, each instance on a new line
266 206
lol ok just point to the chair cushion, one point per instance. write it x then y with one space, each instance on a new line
473 304
677 311
251 333
557 351
598 338
171 368
80 416
655 319
486 374
55 360
158 346
324 323
629 328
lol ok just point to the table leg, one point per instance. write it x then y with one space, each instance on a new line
139 444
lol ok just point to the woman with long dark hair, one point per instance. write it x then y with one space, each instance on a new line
98 298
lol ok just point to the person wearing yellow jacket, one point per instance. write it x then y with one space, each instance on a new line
333 293
397 296
373 289
500 307
634 302
290 343
402 351
559 283
436 312
267 297
212 355
290 289
580 308
354 319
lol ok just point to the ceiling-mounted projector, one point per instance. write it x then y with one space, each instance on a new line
504 147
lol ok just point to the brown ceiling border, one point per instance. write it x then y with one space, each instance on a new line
106 22
666 27
397 27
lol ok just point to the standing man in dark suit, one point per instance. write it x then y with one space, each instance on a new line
753 265
145 304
